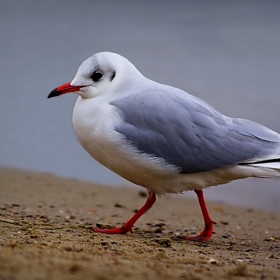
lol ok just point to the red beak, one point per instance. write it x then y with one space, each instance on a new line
64 89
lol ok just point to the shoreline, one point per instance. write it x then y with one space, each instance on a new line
46 233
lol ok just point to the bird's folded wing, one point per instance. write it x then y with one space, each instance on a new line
189 134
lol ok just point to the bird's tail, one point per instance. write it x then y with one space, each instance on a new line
273 164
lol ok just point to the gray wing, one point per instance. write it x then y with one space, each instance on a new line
190 134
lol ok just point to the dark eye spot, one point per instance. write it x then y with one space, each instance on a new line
113 76
96 76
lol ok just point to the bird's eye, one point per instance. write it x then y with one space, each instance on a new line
96 76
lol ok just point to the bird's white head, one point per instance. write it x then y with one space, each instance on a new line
100 74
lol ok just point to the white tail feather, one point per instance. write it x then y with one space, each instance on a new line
273 165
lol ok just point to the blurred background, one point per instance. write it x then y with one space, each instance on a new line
225 52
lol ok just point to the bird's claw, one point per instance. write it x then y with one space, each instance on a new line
205 235
120 230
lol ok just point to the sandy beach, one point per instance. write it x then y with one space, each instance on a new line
46 233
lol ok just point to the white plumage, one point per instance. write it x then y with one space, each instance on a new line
163 138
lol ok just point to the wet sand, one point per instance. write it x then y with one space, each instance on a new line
46 222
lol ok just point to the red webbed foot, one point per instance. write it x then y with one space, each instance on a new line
120 230
128 225
205 235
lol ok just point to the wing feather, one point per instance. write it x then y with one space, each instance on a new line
189 133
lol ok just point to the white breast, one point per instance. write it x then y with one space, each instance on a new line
93 121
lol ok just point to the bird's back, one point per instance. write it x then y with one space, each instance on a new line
191 135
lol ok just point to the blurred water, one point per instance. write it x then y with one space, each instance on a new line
226 52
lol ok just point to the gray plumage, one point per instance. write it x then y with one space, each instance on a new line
190 134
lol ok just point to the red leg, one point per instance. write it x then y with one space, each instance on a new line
128 225
207 232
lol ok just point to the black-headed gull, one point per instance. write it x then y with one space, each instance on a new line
161 137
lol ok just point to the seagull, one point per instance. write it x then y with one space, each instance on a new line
162 138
